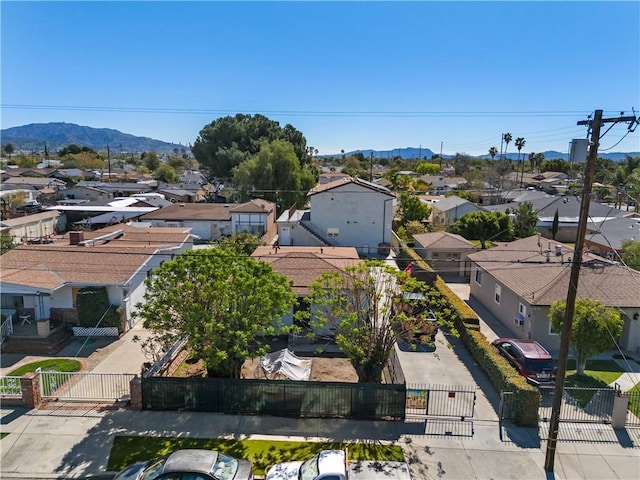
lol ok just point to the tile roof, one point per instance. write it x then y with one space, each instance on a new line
303 265
522 267
443 240
50 266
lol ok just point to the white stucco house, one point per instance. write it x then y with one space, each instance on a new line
38 280
348 212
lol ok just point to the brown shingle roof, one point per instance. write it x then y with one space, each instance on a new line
303 265
522 267
443 240
256 205
192 211
50 266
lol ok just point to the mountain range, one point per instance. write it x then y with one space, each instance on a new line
57 135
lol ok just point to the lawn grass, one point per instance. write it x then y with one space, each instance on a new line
598 374
603 371
4 434
50 365
261 453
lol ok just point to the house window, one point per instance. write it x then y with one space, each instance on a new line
435 254
333 232
498 293
478 275
522 310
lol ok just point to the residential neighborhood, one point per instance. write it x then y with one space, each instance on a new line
249 241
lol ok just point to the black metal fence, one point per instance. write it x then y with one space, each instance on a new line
275 397
579 405
441 400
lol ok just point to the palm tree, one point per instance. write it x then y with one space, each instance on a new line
493 152
507 138
520 141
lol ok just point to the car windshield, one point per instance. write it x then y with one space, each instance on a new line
225 467
309 469
153 470
538 364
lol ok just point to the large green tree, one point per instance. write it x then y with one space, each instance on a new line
166 173
631 253
227 141
483 226
411 208
594 329
363 304
275 174
525 220
223 302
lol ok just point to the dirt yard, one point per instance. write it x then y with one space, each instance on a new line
323 369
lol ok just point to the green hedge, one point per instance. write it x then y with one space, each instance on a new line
92 303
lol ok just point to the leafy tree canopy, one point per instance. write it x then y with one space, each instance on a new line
363 304
166 173
631 253
427 168
594 328
276 175
483 226
227 141
411 208
74 149
555 165
524 223
241 243
221 301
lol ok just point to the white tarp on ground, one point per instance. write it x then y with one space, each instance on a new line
284 362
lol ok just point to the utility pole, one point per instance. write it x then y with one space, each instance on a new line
109 162
371 168
594 126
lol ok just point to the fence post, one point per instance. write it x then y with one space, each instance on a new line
135 387
30 386
620 407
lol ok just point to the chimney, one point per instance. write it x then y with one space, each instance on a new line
76 237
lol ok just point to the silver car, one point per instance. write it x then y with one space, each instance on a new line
189 464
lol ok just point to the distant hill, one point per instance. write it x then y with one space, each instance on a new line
59 134
409 153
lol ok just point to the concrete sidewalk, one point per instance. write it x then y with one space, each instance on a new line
76 443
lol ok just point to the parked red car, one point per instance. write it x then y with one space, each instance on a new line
530 359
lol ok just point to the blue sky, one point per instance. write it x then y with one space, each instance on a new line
348 75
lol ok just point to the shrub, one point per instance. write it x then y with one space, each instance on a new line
95 310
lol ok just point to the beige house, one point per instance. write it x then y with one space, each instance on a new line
31 228
446 252
518 282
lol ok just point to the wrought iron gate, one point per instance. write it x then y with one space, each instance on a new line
87 386
441 401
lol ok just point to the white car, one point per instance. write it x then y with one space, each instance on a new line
326 465
333 465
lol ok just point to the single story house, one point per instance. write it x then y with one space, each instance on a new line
518 281
31 227
41 279
445 212
446 252
605 238
303 265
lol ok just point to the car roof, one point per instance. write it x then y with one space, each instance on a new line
529 348
191 460
331 461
